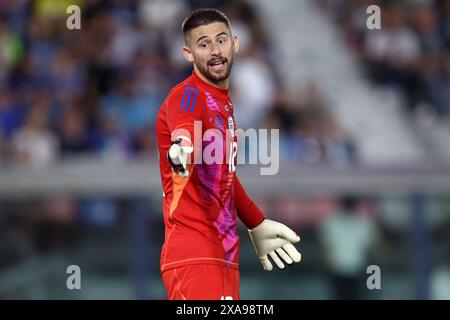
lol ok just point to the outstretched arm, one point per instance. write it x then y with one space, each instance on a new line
247 211
270 238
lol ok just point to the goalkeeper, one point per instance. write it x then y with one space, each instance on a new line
203 199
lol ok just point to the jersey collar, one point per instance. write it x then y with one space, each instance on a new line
210 88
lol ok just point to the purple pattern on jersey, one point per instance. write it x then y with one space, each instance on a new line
210 177
226 225
211 103
219 124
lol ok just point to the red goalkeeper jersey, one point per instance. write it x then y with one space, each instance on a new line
200 211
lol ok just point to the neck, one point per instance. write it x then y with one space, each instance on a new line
221 85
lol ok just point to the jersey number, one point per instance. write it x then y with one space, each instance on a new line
233 154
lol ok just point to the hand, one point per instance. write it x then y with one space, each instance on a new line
274 239
178 155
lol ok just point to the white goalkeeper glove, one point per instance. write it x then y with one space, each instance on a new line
274 239
178 154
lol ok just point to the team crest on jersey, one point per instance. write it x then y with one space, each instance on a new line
231 125
229 106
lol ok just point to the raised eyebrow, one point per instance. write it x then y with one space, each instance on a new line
201 38
221 34
218 35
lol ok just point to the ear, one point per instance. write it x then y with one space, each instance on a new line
235 44
188 54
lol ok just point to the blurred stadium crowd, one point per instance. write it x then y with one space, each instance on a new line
411 53
97 90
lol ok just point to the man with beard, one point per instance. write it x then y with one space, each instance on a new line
202 196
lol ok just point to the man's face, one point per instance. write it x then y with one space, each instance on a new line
212 48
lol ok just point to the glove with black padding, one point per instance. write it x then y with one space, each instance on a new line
178 154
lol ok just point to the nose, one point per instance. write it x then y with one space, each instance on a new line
215 50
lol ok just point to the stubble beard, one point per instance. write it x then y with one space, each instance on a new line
212 77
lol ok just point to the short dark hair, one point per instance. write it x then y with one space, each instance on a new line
201 17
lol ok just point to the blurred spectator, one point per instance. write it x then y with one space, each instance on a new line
11 114
54 227
247 24
161 14
310 134
34 144
444 23
132 110
109 140
67 78
347 239
11 50
73 133
283 113
253 89
393 52
440 280
433 65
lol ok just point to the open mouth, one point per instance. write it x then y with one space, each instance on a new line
218 65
